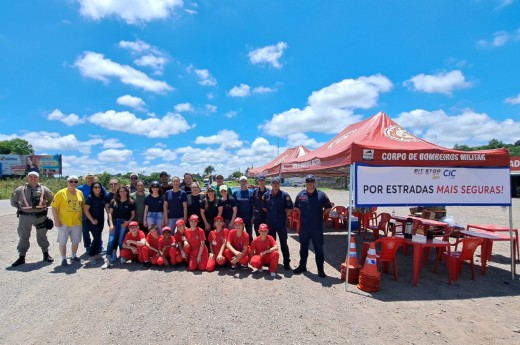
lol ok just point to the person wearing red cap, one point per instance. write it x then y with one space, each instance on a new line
167 248
133 243
237 245
198 258
217 244
264 251
181 242
150 253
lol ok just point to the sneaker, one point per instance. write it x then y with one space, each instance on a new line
19 261
232 268
244 266
107 264
123 260
321 274
299 270
75 259
47 257
261 269
287 267
273 274
64 263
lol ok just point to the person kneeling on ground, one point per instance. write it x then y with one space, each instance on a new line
181 242
217 244
133 243
264 251
167 248
237 245
150 253
198 258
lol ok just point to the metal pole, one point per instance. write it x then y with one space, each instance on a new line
349 227
511 243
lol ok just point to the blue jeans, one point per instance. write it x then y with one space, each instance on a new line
155 218
116 238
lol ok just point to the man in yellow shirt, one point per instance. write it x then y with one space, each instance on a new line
67 209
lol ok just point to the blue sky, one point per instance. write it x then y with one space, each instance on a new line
152 85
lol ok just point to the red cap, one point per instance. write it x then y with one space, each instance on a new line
194 217
179 222
133 223
218 218
263 227
238 220
166 228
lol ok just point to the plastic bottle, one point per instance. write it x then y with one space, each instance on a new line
393 212
408 228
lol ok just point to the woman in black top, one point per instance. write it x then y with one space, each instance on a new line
195 203
229 211
94 210
211 208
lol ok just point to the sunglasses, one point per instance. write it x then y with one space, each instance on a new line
114 184
220 178
97 187
133 178
74 181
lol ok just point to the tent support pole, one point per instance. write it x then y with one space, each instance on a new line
352 173
511 243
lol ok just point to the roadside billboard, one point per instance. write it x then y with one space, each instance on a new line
20 165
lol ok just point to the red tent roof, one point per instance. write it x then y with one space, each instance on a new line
379 140
273 168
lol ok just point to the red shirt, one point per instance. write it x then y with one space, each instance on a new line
179 238
238 242
139 236
194 238
216 239
163 242
258 246
152 241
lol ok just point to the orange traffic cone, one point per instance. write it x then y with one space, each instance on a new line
369 276
353 265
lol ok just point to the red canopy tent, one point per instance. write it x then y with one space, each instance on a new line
273 168
380 140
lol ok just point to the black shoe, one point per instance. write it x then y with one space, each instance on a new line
47 257
287 267
322 274
299 270
64 263
19 261
147 264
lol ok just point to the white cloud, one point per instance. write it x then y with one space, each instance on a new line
113 155
205 77
468 127
442 82
69 120
499 39
244 90
157 152
269 54
96 66
210 108
227 139
297 139
112 144
231 114
131 11
210 95
190 11
137 46
155 62
135 103
183 108
513 100
54 142
152 127
503 3
331 108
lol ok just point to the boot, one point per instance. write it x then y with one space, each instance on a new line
47 257
20 261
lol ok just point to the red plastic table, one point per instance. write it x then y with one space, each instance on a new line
496 228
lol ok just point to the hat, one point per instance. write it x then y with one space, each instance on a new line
261 178
194 217
275 179
166 228
179 222
33 173
89 174
222 187
210 188
310 178
243 178
134 174
155 184
219 176
72 177
263 227
218 218
238 220
133 223
163 173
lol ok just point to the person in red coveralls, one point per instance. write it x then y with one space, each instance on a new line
217 244
181 242
198 258
237 245
150 253
134 241
167 248
264 251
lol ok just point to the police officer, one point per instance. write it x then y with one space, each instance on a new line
312 205
277 205
259 215
32 200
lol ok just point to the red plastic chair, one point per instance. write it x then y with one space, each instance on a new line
336 215
389 247
294 221
382 225
457 258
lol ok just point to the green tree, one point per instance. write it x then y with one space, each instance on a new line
16 146
209 170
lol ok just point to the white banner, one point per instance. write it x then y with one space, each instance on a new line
400 186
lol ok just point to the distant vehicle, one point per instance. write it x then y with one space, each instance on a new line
297 184
206 182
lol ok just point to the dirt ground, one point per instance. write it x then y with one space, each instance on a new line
47 304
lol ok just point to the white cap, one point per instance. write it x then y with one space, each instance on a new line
72 177
33 173
243 178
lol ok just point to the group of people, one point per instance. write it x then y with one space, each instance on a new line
172 222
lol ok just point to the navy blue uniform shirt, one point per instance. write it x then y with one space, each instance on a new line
311 208
277 206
